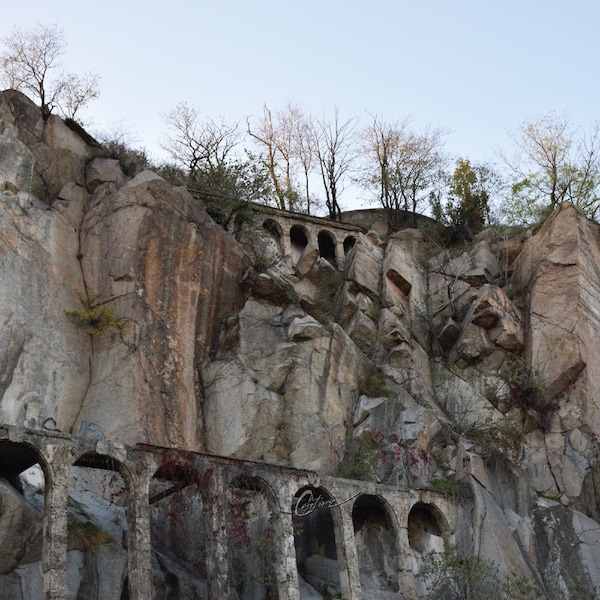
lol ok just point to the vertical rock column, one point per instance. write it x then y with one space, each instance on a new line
54 553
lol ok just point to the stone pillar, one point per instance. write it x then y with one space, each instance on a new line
139 552
340 257
216 537
287 569
54 552
286 250
346 551
406 577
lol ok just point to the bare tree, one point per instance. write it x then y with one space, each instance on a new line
196 144
76 92
404 166
277 138
305 152
381 145
27 62
334 152
551 164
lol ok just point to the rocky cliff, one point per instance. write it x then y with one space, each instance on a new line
126 311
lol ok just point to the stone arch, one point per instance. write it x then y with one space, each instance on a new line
273 228
314 538
428 528
299 239
178 527
98 485
375 538
326 243
349 243
255 538
17 457
25 479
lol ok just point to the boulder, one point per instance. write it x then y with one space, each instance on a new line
103 170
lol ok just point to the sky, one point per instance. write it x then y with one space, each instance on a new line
476 68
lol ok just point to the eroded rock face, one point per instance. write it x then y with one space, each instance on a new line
481 364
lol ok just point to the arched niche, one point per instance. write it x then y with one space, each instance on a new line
314 539
24 481
298 242
178 530
376 548
253 538
327 247
268 246
427 528
98 493
273 229
349 243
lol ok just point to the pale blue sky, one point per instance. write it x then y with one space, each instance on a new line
476 68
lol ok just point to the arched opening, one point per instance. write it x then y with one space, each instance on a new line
327 247
265 247
349 243
97 526
314 540
23 484
298 242
252 540
375 541
272 228
178 530
426 528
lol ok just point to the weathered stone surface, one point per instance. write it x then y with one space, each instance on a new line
364 269
307 261
21 527
270 370
305 328
103 170
133 241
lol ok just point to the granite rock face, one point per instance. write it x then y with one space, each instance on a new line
389 360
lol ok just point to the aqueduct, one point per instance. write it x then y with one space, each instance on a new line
307 514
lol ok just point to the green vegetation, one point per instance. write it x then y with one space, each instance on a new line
501 440
374 386
453 487
328 284
361 460
89 534
524 385
454 576
466 209
96 318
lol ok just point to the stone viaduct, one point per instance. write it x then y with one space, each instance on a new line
301 235
290 493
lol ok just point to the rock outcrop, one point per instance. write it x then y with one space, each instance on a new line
128 315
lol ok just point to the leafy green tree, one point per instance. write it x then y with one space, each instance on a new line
467 206
229 189
553 163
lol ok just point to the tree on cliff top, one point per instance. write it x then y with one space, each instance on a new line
553 163
404 166
467 206
27 61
